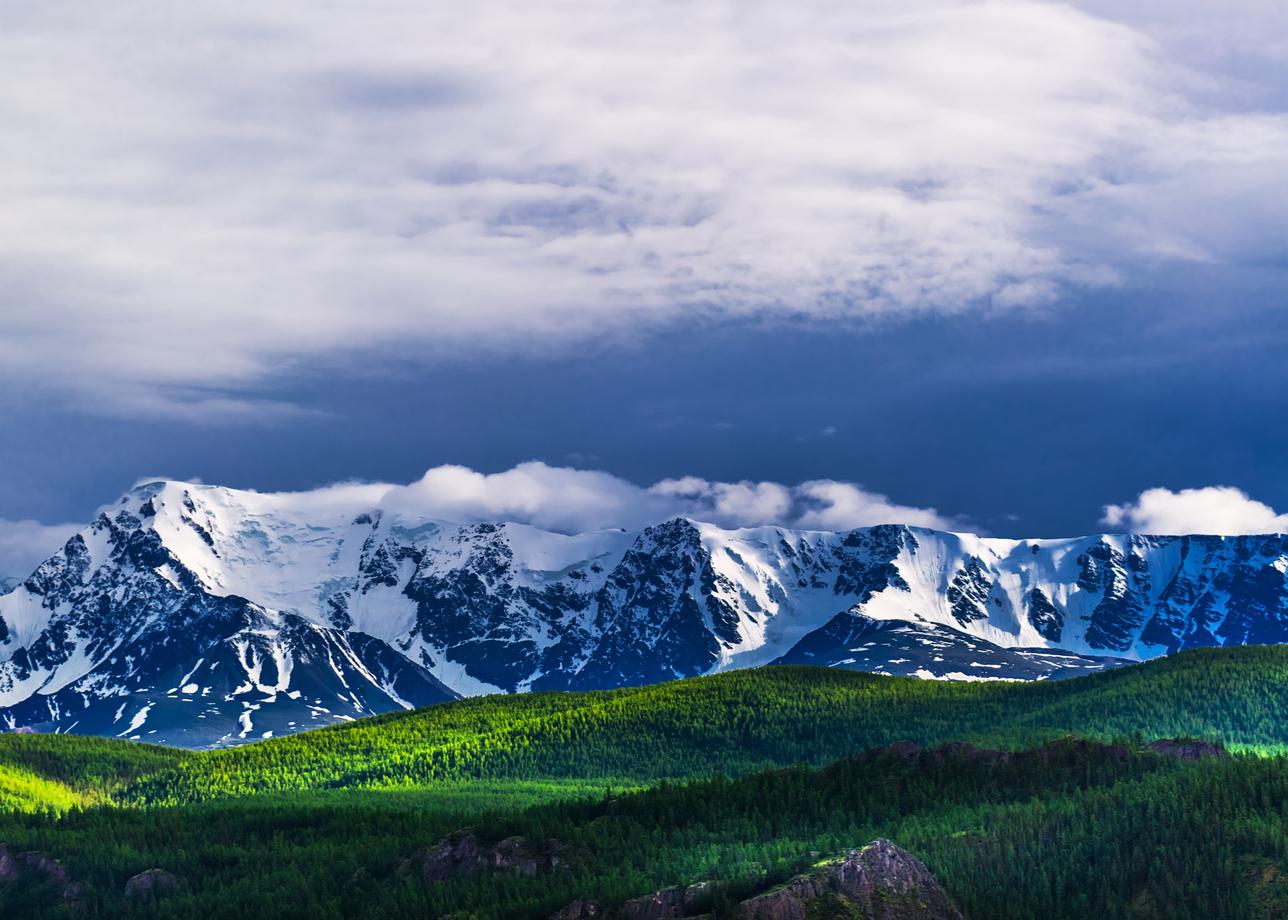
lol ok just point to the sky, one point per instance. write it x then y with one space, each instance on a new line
1012 267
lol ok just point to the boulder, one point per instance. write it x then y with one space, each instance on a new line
151 883
512 855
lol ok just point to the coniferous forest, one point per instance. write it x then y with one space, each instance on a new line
1024 800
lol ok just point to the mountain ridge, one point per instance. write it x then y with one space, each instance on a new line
370 609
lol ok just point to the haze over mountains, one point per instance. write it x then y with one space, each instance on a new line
199 615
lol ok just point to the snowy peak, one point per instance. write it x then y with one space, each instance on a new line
287 610
129 631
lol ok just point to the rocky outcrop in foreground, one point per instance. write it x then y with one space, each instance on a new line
881 881
680 901
36 867
580 909
151 883
462 854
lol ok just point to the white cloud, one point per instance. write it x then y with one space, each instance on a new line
840 505
734 504
263 185
1209 510
557 498
575 500
26 544
553 498
572 500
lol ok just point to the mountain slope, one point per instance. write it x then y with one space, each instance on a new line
728 724
743 721
115 635
203 616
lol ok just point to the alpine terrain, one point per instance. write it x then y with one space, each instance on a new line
202 616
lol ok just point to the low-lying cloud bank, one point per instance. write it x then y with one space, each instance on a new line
566 499
574 500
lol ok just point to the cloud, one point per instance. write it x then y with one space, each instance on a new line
841 505
26 544
1209 510
734 504
265 187
557 498
571 500
575 500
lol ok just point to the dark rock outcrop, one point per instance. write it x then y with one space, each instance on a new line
151 883
462 854
8 864
451 857
669 903
40 868
580 909
879 882
1187 748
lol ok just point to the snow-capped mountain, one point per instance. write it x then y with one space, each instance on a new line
200 615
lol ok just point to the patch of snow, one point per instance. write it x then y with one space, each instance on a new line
136 723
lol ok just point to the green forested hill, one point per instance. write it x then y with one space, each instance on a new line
730 723
743 778
747 720
1072 830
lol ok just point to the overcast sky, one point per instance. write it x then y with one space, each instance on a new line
1012 266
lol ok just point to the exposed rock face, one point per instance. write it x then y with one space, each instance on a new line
151 883
680 901
581 909
218 616
8 864
451 857
897 647
879 882
1187 748
463 855
39 867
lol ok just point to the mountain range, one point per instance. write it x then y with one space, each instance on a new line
204 616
